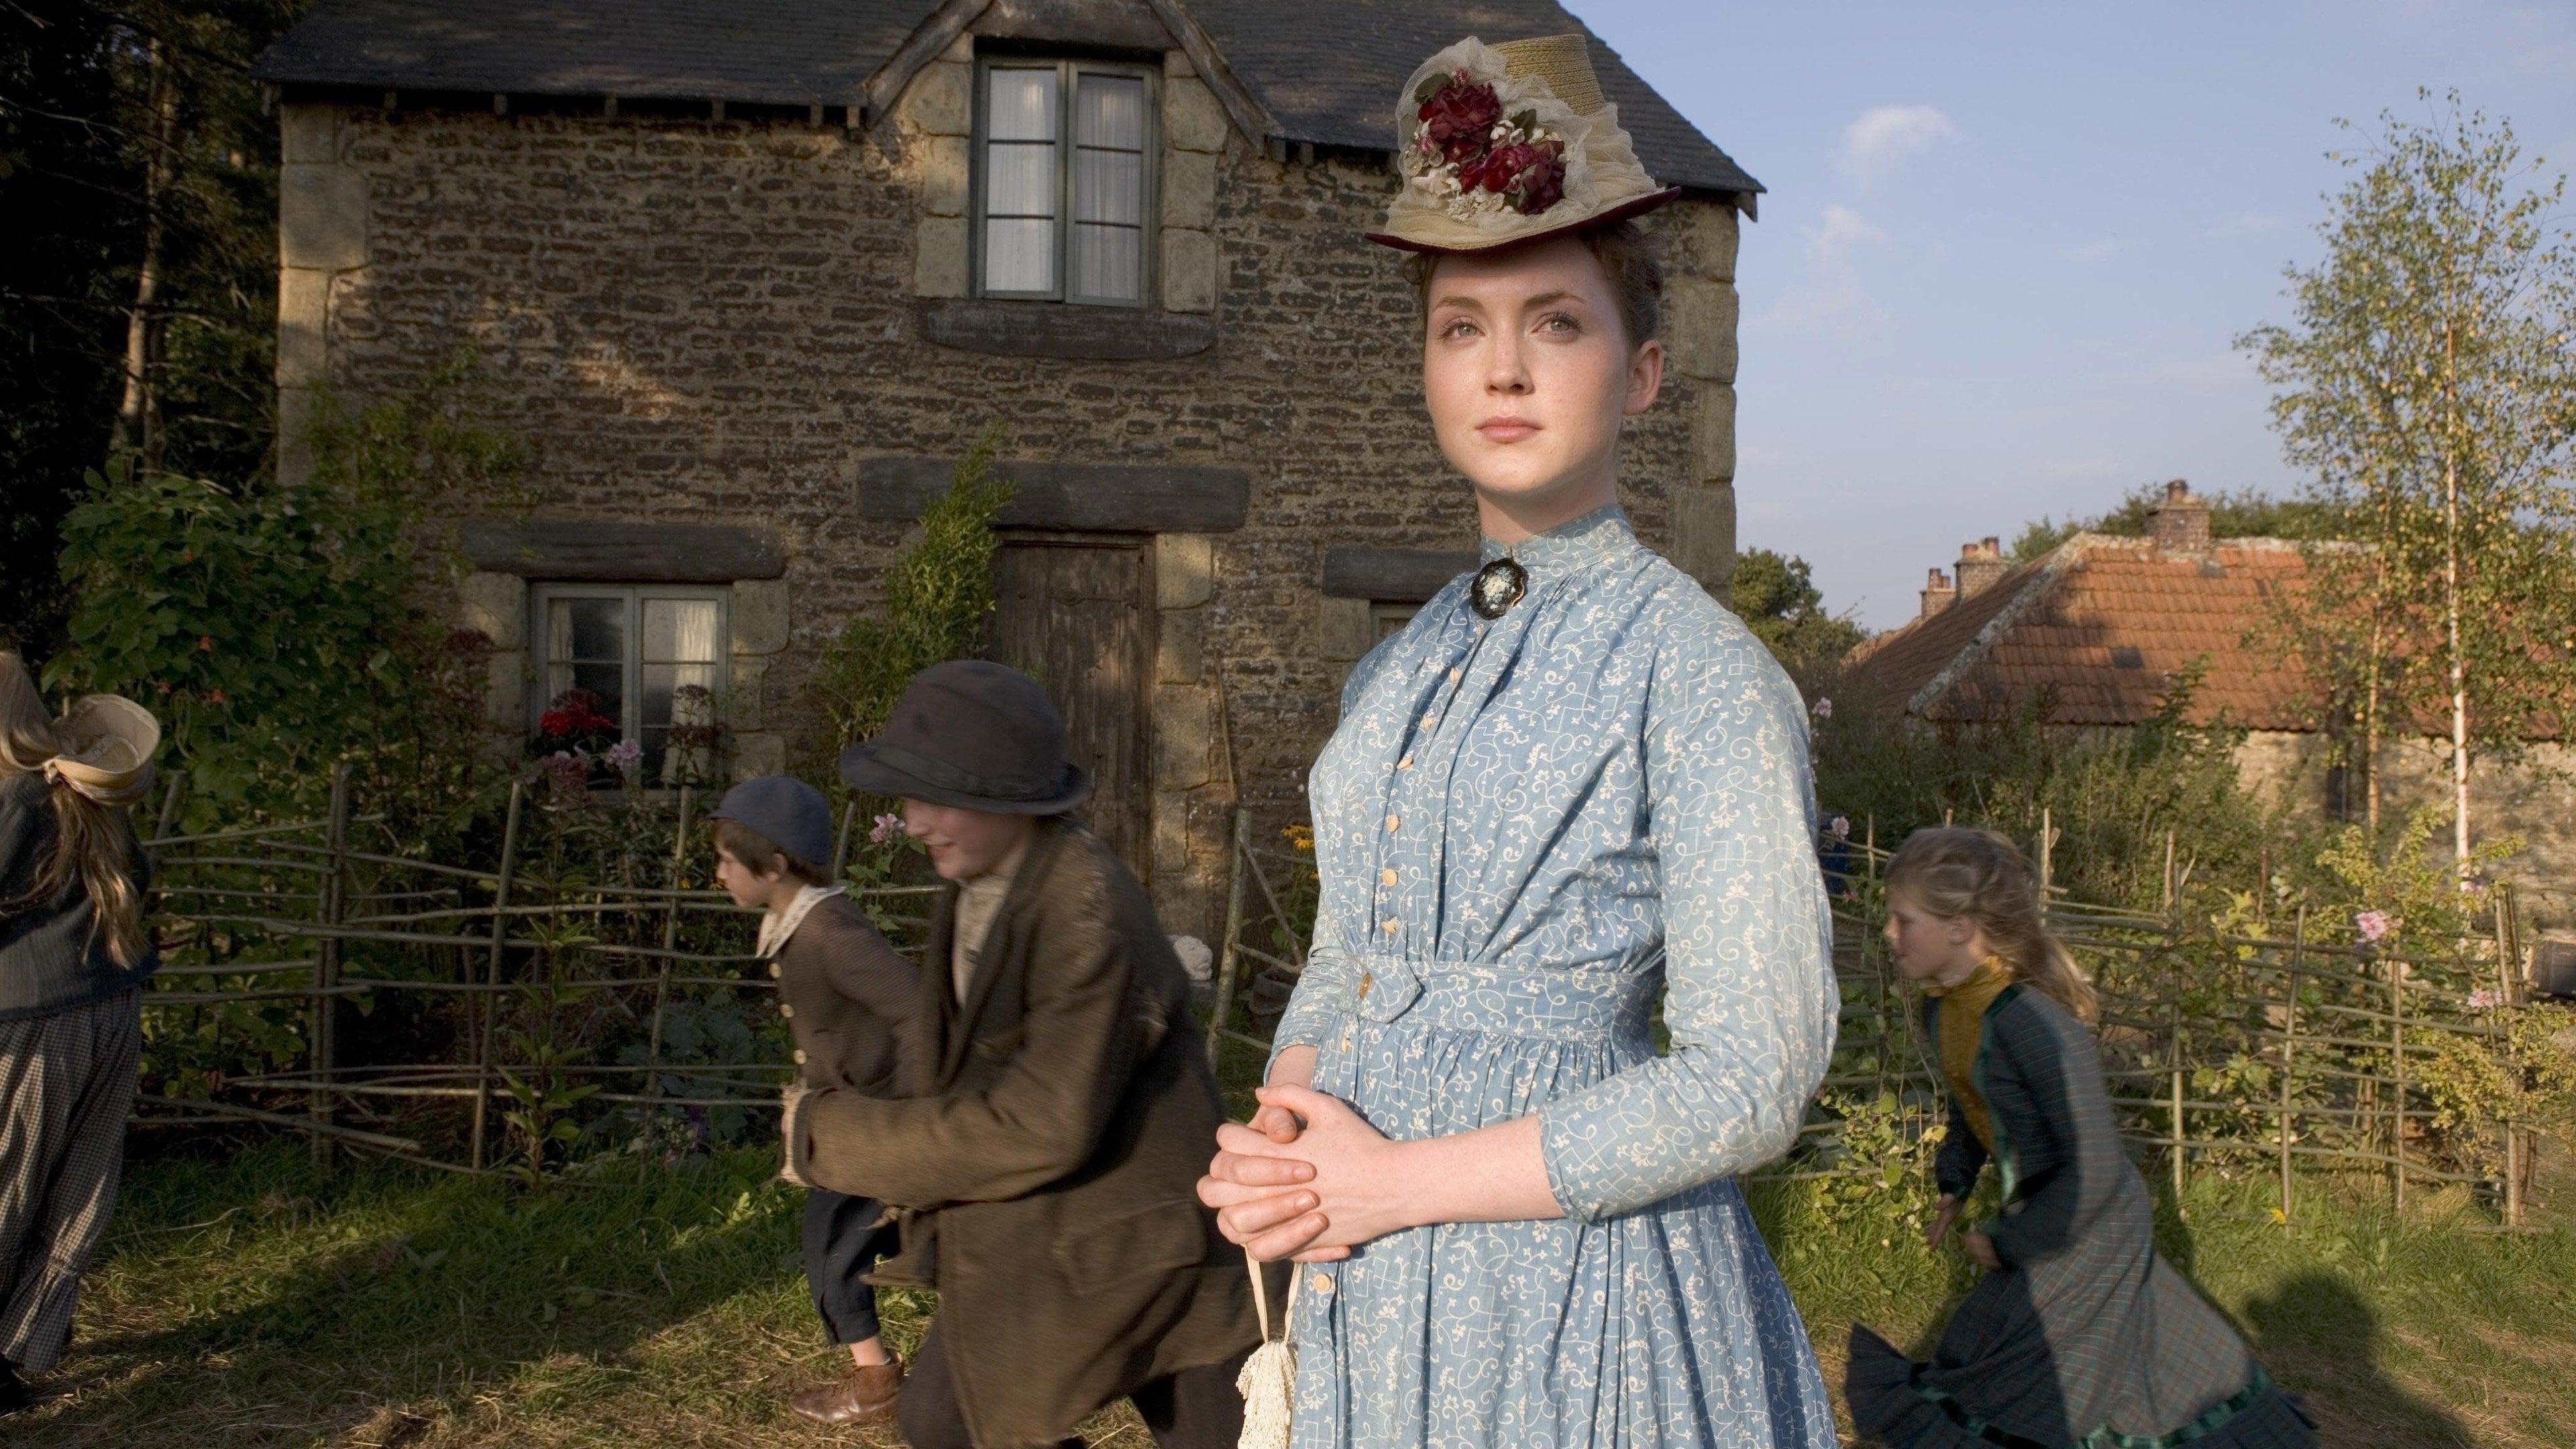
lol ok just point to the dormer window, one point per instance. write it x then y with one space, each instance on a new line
1064 180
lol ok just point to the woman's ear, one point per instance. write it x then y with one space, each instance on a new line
1645 377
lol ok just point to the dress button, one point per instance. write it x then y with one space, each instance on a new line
1391 823
1405 764
1429 720
800 1056
1457 674
786 1010
1323 1282
1388 875
773 970
1392 928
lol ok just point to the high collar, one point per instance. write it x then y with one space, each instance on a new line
1990 977
1595 536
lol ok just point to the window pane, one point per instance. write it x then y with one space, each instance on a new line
1109 186
608 681
1109 110
1019 256
1019 180
587 628
680 630
659 682
1109 261
1019 105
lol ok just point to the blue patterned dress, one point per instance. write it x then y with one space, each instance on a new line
1524 828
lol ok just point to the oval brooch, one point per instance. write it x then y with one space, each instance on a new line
1498 586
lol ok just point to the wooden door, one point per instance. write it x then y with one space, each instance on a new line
1076 612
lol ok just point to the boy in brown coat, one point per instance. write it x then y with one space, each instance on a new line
1059 1106
848 998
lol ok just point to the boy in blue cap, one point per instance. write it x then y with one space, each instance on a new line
848 998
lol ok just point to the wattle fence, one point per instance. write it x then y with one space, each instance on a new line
585 994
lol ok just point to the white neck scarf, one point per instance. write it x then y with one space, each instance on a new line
777 926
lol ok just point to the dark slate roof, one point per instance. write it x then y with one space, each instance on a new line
778 52
1326 70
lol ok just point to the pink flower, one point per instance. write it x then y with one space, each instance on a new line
1841 827
886 829
2373 925
625 754
1824 708
2482 1000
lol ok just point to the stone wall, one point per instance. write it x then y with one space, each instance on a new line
714 321
2535 799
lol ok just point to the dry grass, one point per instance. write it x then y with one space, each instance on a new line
252 1301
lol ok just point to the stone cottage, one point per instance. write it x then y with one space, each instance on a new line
751 277
2101 628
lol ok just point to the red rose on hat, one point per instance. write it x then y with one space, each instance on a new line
1458 117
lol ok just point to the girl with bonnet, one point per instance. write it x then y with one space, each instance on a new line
73 955
1573 783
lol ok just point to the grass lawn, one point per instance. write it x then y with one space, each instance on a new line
249 1300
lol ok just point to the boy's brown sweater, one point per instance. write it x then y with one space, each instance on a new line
849 999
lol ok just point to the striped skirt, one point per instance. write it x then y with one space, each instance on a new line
66 1082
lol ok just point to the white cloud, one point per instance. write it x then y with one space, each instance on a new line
1830 297
1884 135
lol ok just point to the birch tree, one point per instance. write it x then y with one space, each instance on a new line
2426 381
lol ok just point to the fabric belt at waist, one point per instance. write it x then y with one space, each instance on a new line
1562 1003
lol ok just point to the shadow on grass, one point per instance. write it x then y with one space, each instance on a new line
2317 1327
260 1300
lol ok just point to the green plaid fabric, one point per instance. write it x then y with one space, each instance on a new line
2086 1339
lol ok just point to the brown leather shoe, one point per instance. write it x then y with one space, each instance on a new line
863 1396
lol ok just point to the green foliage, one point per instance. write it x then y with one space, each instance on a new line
938 595
1777 599
2112 795
2243 513
276 629
115 150
2427 382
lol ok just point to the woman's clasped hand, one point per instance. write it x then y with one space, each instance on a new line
1306 1179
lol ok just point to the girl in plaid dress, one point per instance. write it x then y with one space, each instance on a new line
2080 1336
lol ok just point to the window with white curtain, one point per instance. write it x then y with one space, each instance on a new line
653 655
1064 180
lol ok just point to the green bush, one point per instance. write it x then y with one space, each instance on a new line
937 597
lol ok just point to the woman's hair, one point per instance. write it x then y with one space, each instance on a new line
1980 876
1627 258
762 855
93 843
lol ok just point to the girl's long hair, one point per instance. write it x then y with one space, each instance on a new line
1978 875
93 843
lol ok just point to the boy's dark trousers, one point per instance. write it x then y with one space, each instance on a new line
1197 1408
841 1243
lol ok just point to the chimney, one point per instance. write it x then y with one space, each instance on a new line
1980 564
1938 593
2182 524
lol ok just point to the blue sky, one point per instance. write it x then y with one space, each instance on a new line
2006 249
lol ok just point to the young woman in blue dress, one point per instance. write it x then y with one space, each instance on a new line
1571 784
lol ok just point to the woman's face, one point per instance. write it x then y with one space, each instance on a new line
1527 374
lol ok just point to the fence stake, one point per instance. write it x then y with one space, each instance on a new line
170 805
2047 859
326 969
1237 860
671 942
2397 1096
2509 995
840 842
2290 1047
490 1000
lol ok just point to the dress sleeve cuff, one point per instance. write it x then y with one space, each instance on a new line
1312 1007
1568 1158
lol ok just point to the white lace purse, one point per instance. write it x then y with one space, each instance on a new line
1268 1382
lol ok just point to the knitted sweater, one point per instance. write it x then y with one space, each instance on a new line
51 958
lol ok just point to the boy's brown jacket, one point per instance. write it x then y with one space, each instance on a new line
850 999
1048 1152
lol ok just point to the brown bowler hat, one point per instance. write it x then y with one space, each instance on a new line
972 734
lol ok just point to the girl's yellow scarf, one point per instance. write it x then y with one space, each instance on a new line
1961 1022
